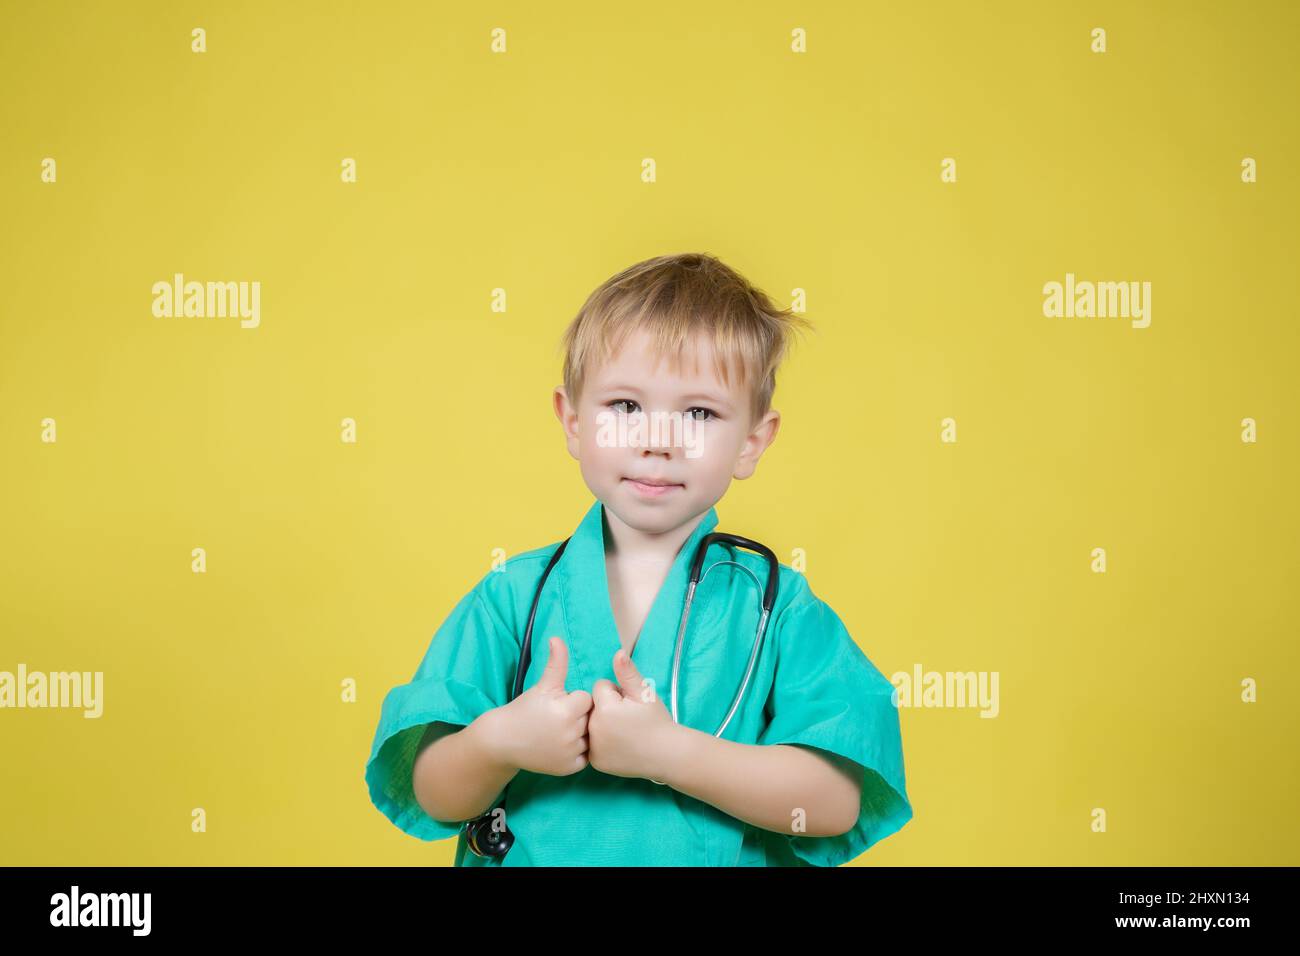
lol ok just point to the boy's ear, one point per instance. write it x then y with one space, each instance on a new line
568 417
760 437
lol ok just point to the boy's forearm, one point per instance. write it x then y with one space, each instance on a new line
458 775
766 784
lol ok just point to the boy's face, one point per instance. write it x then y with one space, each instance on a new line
642 419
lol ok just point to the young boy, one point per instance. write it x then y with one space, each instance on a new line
587 766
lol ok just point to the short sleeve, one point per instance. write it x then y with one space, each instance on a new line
468 669
827 694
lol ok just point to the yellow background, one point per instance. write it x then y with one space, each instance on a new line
521 171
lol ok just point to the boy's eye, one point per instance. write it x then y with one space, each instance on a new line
708 414
622 401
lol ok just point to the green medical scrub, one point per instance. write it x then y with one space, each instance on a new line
812 685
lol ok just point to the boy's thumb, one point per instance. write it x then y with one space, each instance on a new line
557 667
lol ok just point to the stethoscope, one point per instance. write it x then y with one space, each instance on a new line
483 836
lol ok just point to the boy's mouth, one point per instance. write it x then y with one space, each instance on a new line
652 487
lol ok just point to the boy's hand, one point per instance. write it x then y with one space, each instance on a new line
544 729
630 732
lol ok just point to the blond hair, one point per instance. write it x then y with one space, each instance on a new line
673 298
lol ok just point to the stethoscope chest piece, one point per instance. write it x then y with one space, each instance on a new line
485 840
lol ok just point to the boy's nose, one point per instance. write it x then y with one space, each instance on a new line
661 437
658 443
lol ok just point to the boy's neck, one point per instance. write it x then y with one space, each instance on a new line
628 546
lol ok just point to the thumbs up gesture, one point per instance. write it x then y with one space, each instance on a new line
544 729
629 731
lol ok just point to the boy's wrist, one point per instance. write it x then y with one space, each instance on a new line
489 737
676 754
